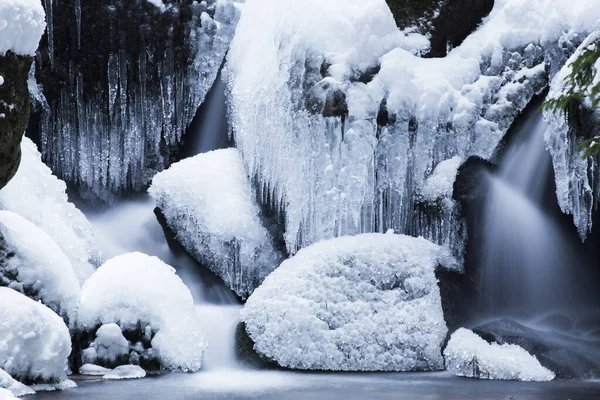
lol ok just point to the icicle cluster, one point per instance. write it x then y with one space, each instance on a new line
121 82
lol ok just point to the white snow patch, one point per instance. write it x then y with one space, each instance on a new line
51 387
15 387
6 394
110 344
40 197
22 24
441 182
469 355
93 370
366 303
135 288
126 372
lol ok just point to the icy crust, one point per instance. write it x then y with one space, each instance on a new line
34 341
342 123
469 355
577 180
32 263
208 202
114 140
140 297
38 196
363 303
22 24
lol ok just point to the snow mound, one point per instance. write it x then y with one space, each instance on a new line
34 341
93 370
144 297
440 183
32 263
363 303
125 372
207 201
22 24
6 394
469 355
40 197
14 386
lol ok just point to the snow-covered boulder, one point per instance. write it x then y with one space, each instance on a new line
469 355
40 197
15 387
22 24
364 303
140 298
34 341
32 263
208 203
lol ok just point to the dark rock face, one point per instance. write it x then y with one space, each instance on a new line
122 80
448 21
567 356
14 112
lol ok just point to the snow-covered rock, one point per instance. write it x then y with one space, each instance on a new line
6 394
22 24
14 386
342 122
469 355
369 302
40 197
143 296
208 202
32 263
125 372
93 370
34 341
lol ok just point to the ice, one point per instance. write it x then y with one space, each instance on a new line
144 297
208 202
32 263
93 370
341 123
14 386
40 197
360 303
22 24
51 387
469 355
110 135
577 179
126 372
34 341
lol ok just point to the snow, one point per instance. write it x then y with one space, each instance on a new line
22 24
337 173
575 177
469 355
440 183
14 386
142 294
31 262
34 341
126 372
6 394
40 197
110 344
93 370
208 202
363 303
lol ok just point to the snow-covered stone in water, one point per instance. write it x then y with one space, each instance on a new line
144 296
93 370
34 341
22 24
6 394
208 202
40 197
364 303
51 387
577 179
125 372
469 355
15 387
32 263
110 344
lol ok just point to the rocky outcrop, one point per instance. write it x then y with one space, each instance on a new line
14 112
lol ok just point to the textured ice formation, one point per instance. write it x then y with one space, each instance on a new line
22 24
112 116
38 196
142 296
360 303
208 202
469 355
577 179
341 123
33 264
34 341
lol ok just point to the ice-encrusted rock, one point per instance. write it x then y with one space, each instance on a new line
32 263
38 196
125 372
121 83
14 386
208 203
358 303
340 121
577 179
148 302
93 370
34 341
469 355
